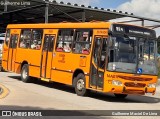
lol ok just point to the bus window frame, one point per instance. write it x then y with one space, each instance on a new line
41 29
63 41
83 42
20 38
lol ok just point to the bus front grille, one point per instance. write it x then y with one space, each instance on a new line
132 84
134 78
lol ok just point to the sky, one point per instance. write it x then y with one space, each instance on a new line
98 3
143 8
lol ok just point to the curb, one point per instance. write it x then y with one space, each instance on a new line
3 91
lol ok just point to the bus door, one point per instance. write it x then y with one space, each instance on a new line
98 63
12 51
47 53
5 50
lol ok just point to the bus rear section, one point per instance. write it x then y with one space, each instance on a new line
104 57
10 49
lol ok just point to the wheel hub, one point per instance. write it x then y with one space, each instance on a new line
80 84
24 74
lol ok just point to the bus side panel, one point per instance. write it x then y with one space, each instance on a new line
4 61
34 71
10 58
21 56
65 64
87 82
60 68
61 77
5 56
17 67
34 59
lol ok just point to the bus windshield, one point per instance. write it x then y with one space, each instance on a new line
132 54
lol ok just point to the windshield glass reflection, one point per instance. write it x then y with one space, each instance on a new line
129 54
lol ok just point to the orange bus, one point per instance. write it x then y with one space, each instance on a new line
101 56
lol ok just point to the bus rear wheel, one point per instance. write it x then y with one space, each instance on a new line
25 74
121 95
80 84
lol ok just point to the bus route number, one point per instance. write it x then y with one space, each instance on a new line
119 29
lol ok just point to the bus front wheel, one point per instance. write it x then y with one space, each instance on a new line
25 74
80 83
121 95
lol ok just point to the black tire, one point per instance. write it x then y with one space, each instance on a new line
25 74
80 85
121 95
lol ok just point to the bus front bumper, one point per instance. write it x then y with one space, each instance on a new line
131 90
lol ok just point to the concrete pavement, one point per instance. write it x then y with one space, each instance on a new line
46 96
3 91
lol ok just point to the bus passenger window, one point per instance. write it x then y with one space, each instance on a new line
59 47
86 49
67 47
64 42
36 39
82 43
25 38
7 37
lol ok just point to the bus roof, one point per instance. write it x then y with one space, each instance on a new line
63 25
94 24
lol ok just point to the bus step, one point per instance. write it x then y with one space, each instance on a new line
44 79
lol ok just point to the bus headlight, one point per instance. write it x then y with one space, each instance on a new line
116 83
153 85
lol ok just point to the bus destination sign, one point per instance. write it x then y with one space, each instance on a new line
133 30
